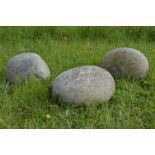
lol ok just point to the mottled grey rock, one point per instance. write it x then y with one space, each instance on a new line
22 66
121 62
84 85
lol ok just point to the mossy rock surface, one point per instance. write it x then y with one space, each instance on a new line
122 62
84 85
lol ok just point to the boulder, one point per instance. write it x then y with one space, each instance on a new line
22 66
84 85
121 62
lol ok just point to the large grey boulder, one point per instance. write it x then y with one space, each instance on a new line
121 62
22 66
84 85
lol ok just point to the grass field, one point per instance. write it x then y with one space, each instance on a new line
26 105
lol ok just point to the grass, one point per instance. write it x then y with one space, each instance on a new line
27 105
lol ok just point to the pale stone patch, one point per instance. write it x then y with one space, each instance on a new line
122 62
22 66
84 85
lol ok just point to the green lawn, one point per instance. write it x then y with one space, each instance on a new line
26 105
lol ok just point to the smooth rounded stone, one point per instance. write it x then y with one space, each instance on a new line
84 85
22 66
121 62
